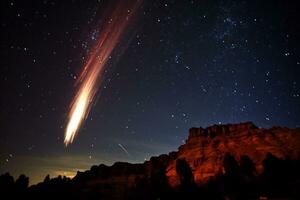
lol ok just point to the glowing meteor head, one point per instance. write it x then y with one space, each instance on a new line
79 110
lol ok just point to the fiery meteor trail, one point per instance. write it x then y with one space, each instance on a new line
92 74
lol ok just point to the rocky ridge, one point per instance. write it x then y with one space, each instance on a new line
204 151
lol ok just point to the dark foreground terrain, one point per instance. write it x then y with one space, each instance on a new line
234 161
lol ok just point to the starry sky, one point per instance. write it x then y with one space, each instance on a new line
183 64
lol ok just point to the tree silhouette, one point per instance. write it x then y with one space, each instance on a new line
280 179
47 179
247 167
184 172
158 181
280 175
231 166
22 183
6 183
231 176
271 166
248 180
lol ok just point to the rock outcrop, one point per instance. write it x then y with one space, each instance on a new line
204 151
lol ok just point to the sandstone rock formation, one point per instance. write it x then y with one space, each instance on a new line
204 151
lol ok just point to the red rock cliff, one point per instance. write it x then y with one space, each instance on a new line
204 149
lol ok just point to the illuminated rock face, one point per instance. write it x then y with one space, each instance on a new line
204 149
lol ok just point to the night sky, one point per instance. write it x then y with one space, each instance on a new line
180 64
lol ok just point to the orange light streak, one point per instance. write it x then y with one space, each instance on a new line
92 73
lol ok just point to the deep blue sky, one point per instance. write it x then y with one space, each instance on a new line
187 64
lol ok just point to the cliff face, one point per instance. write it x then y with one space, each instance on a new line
204 151
205 148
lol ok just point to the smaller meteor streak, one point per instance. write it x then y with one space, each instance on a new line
92 73
124 149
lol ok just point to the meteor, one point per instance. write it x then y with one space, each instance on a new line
124 149
92 73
